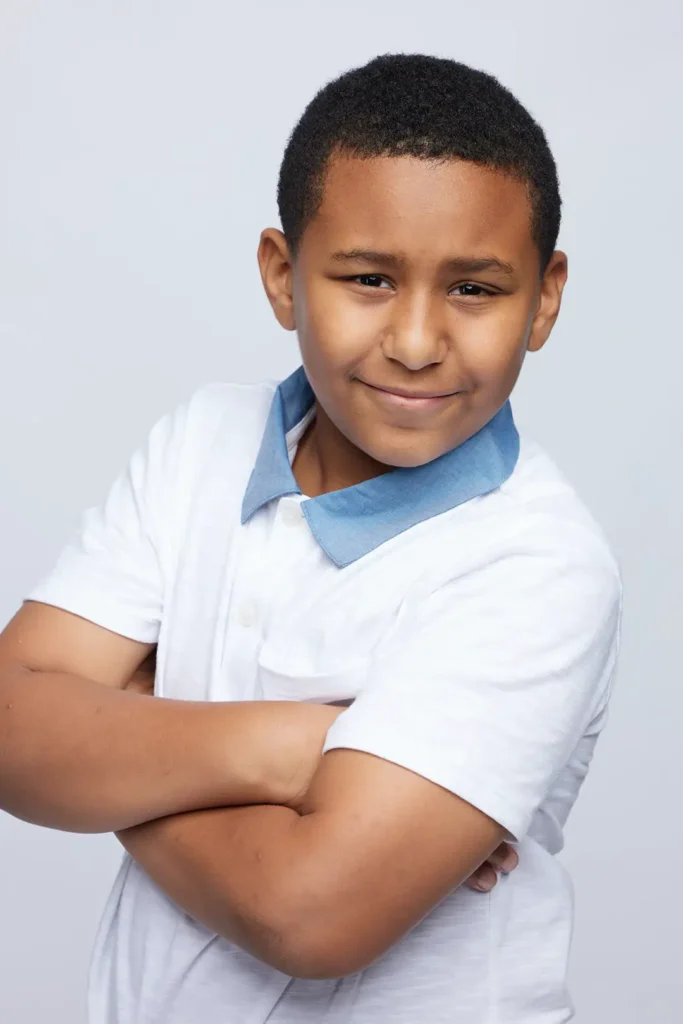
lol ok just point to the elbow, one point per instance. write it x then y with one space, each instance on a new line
314 961
316 951
307 931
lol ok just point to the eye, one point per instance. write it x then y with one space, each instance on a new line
370 280
478 290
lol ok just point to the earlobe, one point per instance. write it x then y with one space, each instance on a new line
536 343
275 265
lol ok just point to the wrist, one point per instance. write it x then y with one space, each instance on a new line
237 749
287 740
265 752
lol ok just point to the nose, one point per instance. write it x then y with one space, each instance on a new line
416 336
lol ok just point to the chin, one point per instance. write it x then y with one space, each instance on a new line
402 456
411 462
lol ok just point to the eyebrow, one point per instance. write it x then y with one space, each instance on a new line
463 264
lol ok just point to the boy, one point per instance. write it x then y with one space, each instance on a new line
370 533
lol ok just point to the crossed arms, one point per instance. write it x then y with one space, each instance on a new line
314 865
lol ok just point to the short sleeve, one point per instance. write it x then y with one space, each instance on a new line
488 682
112 571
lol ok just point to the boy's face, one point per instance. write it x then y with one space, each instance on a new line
409 351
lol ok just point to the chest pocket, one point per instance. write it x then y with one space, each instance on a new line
342 683
324 649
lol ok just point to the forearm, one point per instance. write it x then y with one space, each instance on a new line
231 869
82 757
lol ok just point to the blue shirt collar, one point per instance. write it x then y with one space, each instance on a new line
354 521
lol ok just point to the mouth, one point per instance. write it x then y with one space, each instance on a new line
402 398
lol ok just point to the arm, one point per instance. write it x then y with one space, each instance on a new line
324 892
80 752
419 783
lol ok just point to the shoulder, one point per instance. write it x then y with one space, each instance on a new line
533 530
220 403
544 507
537 505
213 434
209 421
521 586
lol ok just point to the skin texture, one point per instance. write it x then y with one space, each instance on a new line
333 882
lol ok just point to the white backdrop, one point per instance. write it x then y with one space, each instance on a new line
139 155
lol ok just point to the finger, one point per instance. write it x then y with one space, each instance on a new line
505 858
483 879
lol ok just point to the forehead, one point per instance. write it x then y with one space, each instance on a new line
422 207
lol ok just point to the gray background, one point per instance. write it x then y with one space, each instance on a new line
140 148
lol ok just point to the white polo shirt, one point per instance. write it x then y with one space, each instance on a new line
471 607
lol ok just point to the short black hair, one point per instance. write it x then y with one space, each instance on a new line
424 106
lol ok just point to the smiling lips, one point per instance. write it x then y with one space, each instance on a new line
397 397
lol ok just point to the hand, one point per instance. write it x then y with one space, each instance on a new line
505 858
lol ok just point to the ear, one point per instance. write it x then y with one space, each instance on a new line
275 264
549 300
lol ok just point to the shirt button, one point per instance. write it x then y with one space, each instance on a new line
247 616
292 515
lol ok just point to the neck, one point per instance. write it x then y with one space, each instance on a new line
327 461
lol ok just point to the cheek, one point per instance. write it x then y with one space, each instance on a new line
493 348
337 324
